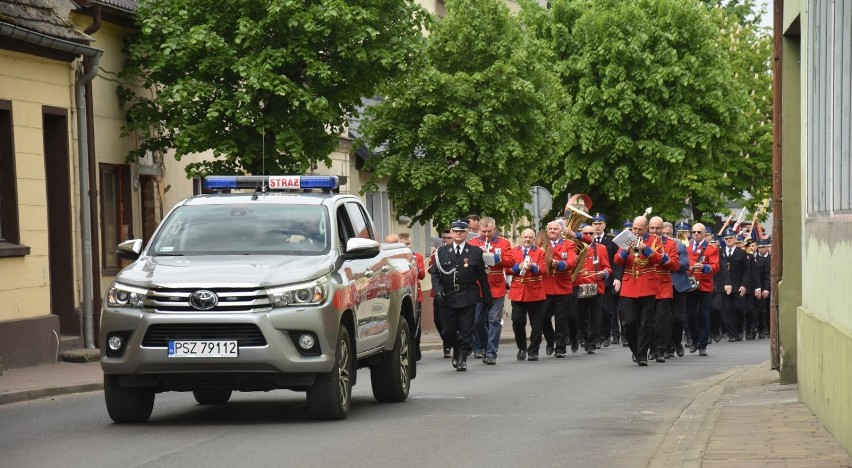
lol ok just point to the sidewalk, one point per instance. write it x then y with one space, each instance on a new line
746 419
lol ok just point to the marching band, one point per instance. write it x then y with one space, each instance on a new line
659 288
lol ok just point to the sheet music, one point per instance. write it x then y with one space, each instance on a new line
625 239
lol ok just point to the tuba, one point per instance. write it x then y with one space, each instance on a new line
577 212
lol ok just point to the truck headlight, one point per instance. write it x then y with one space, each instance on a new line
310 293
121 295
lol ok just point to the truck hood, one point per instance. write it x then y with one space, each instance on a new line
224 270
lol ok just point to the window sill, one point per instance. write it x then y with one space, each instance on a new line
8 249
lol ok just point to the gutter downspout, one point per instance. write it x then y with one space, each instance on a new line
94 56
777 194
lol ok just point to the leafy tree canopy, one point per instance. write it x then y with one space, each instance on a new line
662 110
242 78
467 131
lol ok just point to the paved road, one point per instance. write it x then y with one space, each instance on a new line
599 410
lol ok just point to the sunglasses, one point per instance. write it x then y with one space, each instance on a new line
698 232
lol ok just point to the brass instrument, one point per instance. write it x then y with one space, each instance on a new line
543 243
576 212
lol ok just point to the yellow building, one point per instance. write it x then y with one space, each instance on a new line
815 236
59 131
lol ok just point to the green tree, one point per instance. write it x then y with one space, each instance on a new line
246 78
659 113
468 131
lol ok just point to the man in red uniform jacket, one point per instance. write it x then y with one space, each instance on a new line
558 290
639 288
497 252
703 265
663 306
405 238
594 272
527 295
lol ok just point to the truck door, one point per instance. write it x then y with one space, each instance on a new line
369 276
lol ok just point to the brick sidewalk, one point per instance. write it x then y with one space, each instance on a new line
749 420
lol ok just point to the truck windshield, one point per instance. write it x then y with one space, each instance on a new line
243 229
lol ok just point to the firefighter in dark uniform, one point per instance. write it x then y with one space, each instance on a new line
736 262
762 286
461 282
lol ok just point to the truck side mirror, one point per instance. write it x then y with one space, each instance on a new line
358 247
129 249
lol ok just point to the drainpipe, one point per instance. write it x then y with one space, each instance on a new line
777 194
94 56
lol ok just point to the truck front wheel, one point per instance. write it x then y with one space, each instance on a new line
127 404
391 378
331 394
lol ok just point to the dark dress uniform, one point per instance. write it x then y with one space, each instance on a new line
736 262
763 281
461 282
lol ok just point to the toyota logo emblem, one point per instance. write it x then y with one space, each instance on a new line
203 300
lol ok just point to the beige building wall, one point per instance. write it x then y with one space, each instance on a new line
30 82
817 246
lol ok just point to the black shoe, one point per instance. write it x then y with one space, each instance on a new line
533 357
462 366
642 362
749 337
548 350
679 349
660 359
717 337
702 352
692 349
731 340
740 337
575 347
447 353
597 345
761 336
625 344
615 340
590 350
455 358
606 343
489 360
478 354
522 355
560 354
652 356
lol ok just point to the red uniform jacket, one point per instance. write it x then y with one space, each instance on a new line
528 287
559 281
498 246
596 261
421 273
708 256
668 264
640 277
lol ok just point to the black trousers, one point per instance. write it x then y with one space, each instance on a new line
638 313
698 317
762 307
458 328
662 325
436 314
751 321
678 320
609 319
556 309
535 311
717 306
589 311
732 314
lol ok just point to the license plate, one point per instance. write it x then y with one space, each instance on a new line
202 348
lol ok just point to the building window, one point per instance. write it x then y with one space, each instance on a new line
116 219
829 137
10 236
378 205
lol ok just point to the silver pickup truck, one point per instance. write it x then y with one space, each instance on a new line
260 291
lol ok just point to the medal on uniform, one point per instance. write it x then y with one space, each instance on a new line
466 261
564 255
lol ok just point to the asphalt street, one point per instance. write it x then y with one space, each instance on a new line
585 410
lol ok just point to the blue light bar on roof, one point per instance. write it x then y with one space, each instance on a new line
289 182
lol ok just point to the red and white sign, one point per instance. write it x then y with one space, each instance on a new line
284 182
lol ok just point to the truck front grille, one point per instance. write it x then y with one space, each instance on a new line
246 334
229 300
